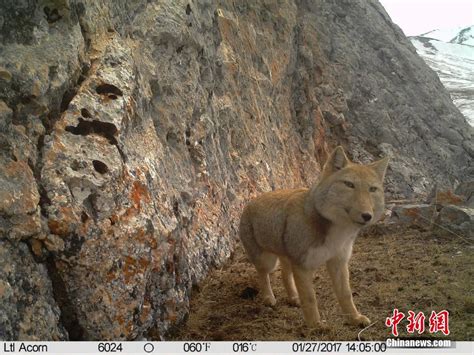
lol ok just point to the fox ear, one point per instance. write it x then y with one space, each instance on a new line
380 167
336 161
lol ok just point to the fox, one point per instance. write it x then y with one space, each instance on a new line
308 227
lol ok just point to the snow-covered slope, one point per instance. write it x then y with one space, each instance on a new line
465 36
451 54
444 35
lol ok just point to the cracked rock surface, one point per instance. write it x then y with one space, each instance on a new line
132 133
27 312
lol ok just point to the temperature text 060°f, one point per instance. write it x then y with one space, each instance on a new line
196 347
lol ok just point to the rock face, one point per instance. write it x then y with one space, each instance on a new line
28 309
396 104
131 134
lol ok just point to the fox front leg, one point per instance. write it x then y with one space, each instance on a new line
338 268
304 285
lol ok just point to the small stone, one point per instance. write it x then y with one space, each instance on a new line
414 214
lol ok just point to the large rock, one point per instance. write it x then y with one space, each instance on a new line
466 190
458 219
421 215
133 132
41 62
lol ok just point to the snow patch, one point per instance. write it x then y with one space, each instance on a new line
450 53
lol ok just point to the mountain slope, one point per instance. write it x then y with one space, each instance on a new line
451 54
465 36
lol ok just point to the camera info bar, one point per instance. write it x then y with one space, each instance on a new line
391 346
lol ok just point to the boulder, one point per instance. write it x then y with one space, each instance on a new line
458 219
466 189
421 215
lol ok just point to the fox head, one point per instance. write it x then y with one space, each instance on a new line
350 193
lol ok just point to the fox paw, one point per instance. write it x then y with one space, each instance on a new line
317 326
269 300
359 319
294 301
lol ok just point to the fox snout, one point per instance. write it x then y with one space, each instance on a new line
362 217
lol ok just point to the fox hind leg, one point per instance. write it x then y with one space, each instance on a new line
289 281
265 263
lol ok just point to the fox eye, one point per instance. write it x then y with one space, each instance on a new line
372 189
349 184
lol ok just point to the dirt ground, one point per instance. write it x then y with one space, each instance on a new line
409 270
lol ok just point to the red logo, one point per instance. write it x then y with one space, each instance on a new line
416 322
438 322
394 320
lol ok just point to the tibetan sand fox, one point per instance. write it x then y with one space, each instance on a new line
305 228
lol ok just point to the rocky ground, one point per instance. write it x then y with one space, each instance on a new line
411 269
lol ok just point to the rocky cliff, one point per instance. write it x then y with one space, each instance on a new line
131 134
